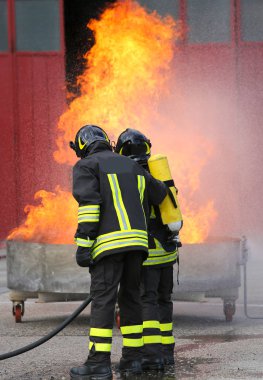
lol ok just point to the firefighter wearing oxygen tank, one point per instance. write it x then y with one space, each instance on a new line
157 279
113 193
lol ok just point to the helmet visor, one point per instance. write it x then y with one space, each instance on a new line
135 150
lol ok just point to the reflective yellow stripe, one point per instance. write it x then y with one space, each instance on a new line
90 209
105 333
151 324
160 259
118 244
132 342
88 218
152 339
152 216
131 329
83 242
118 202
105 347
141 186
88 213
166 326
121 234
168 339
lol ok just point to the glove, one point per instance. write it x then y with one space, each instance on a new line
175 239
84 257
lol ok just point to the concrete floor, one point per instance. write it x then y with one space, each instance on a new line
207 347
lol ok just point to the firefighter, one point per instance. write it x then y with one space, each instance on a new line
113 193
157 276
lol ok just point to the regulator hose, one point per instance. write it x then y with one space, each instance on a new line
50 335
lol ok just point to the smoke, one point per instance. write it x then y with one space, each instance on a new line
210 108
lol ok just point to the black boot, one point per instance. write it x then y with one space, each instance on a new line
91 371
168 359
168 356
154 364
130 367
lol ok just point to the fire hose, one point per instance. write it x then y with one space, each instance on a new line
50 335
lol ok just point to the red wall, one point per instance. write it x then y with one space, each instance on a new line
32 98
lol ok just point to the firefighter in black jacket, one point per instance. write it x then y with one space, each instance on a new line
113 193
157 279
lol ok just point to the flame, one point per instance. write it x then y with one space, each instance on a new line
127 77
53 220
124 75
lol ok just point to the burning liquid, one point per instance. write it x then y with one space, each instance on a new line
126 80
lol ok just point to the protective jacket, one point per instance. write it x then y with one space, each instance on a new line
113 193
161 252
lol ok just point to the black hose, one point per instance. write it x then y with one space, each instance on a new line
50 335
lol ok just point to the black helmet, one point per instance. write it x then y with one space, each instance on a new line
86 136
134 144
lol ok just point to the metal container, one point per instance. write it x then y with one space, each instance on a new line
49 272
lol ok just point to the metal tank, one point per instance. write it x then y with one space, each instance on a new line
49 273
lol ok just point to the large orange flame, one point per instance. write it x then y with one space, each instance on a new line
53 220
127 77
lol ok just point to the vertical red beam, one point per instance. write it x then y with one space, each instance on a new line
8 202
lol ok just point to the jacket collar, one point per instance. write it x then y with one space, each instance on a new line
99 146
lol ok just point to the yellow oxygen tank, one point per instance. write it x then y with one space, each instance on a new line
169 208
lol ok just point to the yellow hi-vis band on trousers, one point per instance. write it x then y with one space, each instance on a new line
151 324
118 202
168 339
152 339
105 347
127 342
104 333
135 329
166 326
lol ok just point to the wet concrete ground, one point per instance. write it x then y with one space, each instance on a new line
207 347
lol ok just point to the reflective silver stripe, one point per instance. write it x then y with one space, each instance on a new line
84 243
118 244
118 202
121 234
88 218
160 259
89 209
157 252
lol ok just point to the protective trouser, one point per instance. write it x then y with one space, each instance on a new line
156 290
121 270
